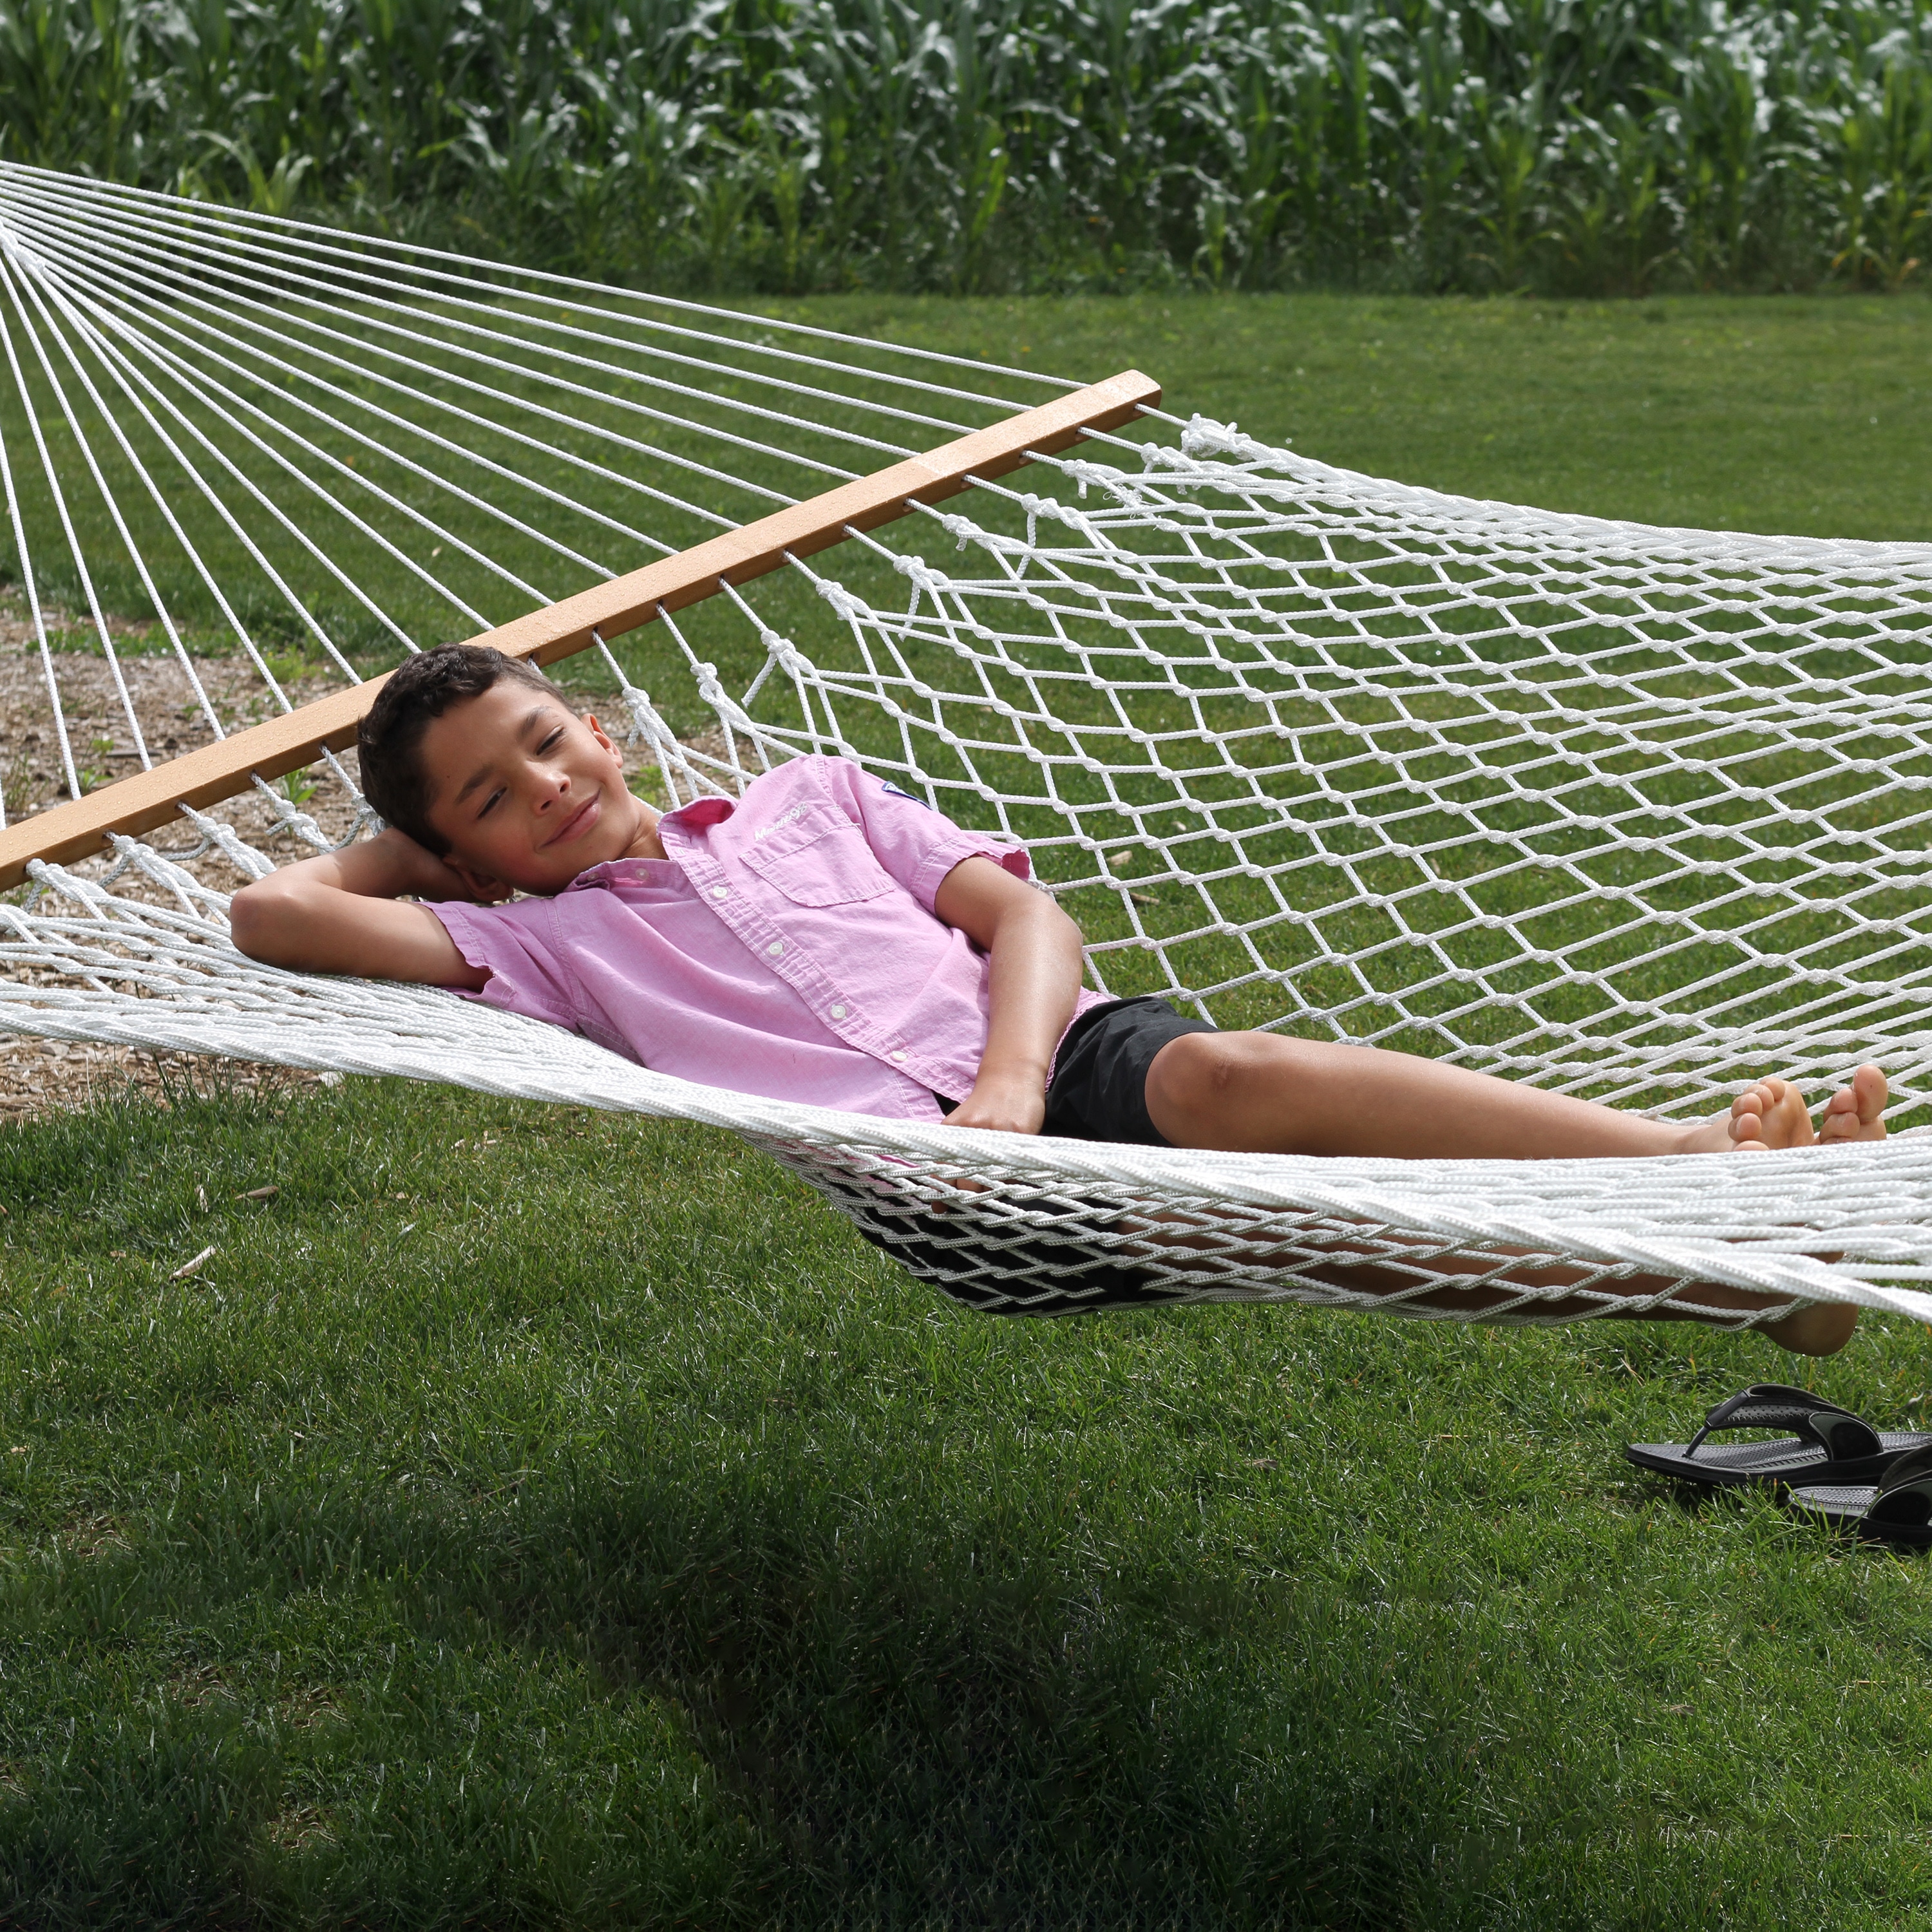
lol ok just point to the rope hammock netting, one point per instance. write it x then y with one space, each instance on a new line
1631 813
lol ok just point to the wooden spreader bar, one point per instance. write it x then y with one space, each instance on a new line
286 744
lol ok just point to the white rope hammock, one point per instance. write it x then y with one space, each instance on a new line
1628 812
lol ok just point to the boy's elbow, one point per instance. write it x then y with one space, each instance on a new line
1038 916
1059 923
263 923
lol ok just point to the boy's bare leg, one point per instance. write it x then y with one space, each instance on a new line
1257 1093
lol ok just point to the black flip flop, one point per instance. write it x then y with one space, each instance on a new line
1897 1509
1827 1443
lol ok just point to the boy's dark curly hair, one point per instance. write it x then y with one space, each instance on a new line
389 740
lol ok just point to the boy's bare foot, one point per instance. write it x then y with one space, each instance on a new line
1768 1114
1771 1114
1856 1112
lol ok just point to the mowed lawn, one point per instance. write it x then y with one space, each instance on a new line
530 1517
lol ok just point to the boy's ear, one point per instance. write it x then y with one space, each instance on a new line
602 736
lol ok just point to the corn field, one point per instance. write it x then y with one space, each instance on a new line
779 146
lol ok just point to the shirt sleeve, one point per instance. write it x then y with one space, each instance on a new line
515 945
916 844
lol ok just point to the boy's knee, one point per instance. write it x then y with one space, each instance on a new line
1193 1075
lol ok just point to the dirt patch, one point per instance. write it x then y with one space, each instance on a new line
204 1683
146 698
39 1076
300 1828
169 699
310 1709
93 1536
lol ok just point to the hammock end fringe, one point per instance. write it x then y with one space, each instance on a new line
886 1169
212 772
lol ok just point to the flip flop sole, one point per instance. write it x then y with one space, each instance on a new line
1722 1465
1844 1506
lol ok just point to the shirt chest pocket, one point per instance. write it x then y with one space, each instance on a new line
820 858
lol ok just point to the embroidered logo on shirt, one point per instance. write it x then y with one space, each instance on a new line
783 818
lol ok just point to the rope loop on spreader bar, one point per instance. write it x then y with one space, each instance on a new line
1630 812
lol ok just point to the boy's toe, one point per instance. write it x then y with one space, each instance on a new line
1787 1124
1857 1112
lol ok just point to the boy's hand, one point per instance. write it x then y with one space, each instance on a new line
1009 1103
400 869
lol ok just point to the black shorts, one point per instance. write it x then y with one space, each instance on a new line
1099 1088
1066 1261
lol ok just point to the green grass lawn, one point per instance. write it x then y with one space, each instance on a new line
529 1517
1809 417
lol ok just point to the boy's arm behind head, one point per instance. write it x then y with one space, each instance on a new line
342 912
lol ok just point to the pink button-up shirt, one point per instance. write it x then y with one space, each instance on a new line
787 948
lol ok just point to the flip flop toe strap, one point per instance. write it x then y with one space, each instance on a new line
1842 1436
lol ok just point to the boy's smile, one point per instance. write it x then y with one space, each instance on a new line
528 794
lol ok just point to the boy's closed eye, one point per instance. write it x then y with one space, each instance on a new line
549 744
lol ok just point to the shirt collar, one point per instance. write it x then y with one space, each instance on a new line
698 814
687 819
615 872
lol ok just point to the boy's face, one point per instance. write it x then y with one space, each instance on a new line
527 793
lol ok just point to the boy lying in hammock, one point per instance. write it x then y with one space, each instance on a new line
829 939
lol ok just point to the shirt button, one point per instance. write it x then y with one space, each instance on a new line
720 892
838 1013
775 948
897 1054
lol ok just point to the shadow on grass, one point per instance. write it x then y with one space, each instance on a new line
916 1724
